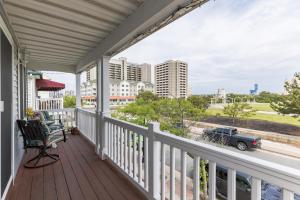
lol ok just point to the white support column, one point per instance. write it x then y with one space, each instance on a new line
78 93
154 161
78 97
102 102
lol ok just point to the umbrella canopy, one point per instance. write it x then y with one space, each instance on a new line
47 85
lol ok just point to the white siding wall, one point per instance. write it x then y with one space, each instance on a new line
18 140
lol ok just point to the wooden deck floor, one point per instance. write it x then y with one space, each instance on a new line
79 174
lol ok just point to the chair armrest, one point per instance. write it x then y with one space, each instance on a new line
56 131
59 130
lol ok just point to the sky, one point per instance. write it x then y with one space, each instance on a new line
230 44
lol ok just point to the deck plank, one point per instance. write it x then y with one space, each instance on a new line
74 188
61 186
49 181
37 187
96 184
108 175
79 174
84 184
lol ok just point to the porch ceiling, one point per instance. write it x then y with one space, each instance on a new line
64 35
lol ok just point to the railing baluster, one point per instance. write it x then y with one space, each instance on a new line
118 147
125 150
172 173
163 171
231 184
196 184
122 147
115 143
212 180
140 158
109 139
146 163
130 153
183 175
134 156
288 195
255 189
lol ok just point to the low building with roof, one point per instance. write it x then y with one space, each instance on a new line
121 91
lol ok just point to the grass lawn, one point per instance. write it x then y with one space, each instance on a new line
260 116
262 107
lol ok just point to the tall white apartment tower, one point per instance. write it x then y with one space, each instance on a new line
171 79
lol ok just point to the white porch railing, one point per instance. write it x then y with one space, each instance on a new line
86 123
67 116
140 153
49 104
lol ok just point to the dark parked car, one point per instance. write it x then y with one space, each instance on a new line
243 187
231 137
243 184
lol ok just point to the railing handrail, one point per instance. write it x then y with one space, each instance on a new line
274 173
86 111
50 98
60 110
130 126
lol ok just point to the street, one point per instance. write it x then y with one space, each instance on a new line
280 158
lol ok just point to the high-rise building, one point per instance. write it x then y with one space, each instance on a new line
171 79
133 72
120 69
91 74
146 72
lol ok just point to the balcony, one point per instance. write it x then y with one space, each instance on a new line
143 163
111 159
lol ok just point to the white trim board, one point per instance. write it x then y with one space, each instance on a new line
7 188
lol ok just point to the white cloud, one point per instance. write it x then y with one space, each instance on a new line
231 44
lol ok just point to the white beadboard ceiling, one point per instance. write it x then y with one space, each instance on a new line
59 34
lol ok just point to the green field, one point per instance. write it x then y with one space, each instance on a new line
262 107
260 116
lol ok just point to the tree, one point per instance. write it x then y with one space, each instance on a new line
139 112
200 101
289 103
147 96
266 97
69 101
238 110
174 112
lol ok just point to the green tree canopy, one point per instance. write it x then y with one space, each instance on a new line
147 96
200 101
289 103
266 97
238 110
171 113
69 101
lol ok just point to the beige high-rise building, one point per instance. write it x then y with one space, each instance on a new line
120 69
171 79
146 72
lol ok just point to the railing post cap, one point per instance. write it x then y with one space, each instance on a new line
154 125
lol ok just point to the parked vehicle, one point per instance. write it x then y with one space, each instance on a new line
243 184
231 137
243 187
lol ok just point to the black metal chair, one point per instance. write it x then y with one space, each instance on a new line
37 135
